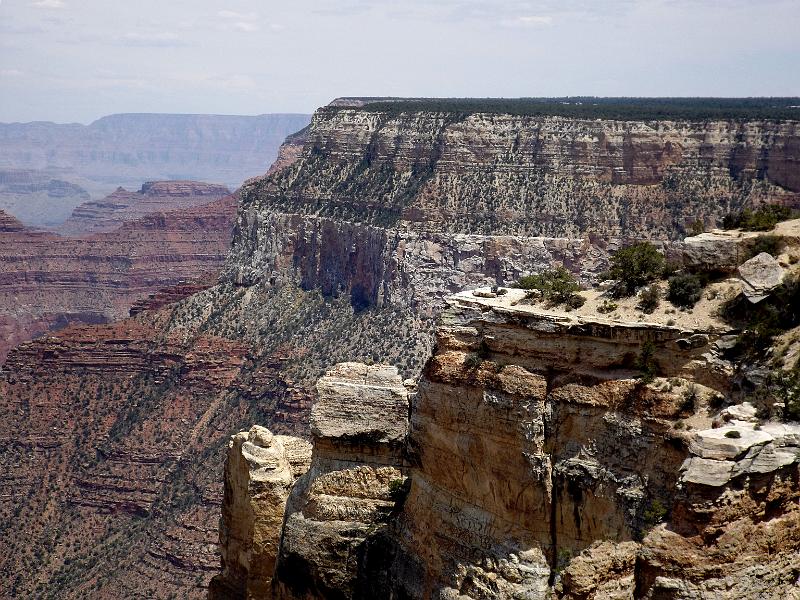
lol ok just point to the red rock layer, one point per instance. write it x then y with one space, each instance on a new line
154 197
47 281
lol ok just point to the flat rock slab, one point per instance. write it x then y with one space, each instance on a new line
713 443
361 402
761 274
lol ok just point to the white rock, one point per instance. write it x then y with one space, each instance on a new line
713 443
761 274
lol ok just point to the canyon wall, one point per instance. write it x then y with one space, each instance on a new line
377 201
540 464
48 281
345 252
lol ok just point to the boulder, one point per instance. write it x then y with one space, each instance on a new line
358 401
761 274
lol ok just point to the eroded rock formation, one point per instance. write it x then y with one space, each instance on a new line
154 197
542 465
48 281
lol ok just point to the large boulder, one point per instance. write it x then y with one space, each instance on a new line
760 275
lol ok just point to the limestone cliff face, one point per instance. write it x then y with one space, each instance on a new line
259 472
375 203
359 422
539 465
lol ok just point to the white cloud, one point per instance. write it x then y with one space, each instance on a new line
230 14
237 21
11 73
158 39
245 26
49 4
529 21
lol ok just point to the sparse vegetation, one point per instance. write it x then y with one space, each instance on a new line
646 362
762 322
654 514
733 434
635 266
771 244
685 290
607 306
649 298
556 286
598 108
763 218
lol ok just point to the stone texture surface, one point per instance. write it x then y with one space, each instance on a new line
540 466
360 401
760 274
352 487
48 281
259 474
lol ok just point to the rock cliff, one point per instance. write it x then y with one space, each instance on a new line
540 464
48 281
329 263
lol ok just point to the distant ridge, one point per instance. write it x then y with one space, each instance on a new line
131 148
618 108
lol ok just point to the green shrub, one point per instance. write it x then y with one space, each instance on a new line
785 386
771 244
575 301
733 434
763 218
654 514
697 228
398 489
557 286
646 362
685 290
607 307
649 299
635 266
762 322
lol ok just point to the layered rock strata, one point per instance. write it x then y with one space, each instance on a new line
260 469
543 465
154 197
48 281
359 423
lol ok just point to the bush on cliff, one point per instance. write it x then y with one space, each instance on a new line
649 299
635 266
763 218
556 286
685 290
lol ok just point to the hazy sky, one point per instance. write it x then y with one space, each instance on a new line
76 60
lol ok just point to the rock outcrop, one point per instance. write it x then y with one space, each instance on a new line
154 197
359 423
48 281
539 464
260 469
39 198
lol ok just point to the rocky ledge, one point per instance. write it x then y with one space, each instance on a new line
540 462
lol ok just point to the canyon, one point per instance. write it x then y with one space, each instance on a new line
47 169
133 245
113 436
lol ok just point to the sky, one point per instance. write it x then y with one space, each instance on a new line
77 60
